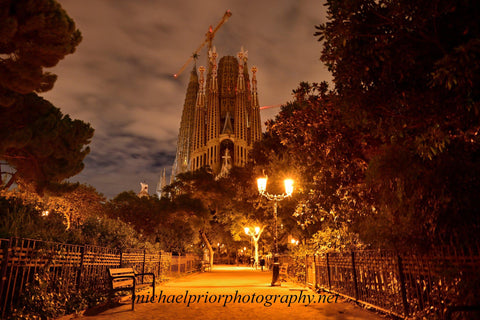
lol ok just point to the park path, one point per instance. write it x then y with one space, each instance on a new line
236 288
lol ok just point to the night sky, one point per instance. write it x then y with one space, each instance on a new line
120 78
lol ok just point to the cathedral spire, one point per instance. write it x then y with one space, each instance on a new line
213 111
242 59
185 134
162 183
256 131
254 85
212 54
198 156
241 110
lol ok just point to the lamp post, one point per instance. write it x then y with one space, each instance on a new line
262 189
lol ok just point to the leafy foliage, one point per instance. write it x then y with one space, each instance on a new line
113 233
34 34
221 208
76 201
392 151
28 218
406 85
42 145
157 220
43 299
339 239
18 219
329 164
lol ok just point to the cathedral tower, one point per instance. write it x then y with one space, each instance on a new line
182 159
221 116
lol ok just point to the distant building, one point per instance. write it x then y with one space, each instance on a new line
143 191
162 183
221 116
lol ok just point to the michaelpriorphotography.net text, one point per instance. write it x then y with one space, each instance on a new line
265 300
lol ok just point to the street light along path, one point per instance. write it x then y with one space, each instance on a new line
240 281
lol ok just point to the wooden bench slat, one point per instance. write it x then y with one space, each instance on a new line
122 284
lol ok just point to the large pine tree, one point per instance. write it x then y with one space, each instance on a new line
34 34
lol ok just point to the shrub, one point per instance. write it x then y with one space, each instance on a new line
46 299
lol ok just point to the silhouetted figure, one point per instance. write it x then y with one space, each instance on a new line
262 262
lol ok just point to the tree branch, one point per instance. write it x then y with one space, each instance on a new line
10 182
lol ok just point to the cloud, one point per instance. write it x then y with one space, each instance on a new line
120 78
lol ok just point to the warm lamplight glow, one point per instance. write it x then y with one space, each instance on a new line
257 230
262 184
288 186
247 229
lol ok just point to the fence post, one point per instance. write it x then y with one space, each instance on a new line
143 265
354 275
179 262
121 257
306 270
160 264
7 252
170 265
328 273
80 268
403 290
314 271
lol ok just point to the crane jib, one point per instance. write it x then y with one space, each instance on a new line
208 39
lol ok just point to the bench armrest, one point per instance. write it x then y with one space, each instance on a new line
146 274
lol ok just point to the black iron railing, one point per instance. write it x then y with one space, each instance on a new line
406 285
78 267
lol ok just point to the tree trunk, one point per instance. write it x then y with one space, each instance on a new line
255 242
209 246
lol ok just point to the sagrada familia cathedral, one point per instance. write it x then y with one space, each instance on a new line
221 117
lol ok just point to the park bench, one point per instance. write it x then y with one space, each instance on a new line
125 279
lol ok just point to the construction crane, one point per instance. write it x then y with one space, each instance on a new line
208 39
269 107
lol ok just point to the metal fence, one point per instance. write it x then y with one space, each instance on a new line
405 285
77 266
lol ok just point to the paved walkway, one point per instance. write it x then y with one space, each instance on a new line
230 292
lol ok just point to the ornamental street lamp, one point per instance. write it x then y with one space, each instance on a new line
262 189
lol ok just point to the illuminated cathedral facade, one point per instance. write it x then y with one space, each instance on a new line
221 116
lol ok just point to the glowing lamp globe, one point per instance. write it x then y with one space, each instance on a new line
288 186
262 184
